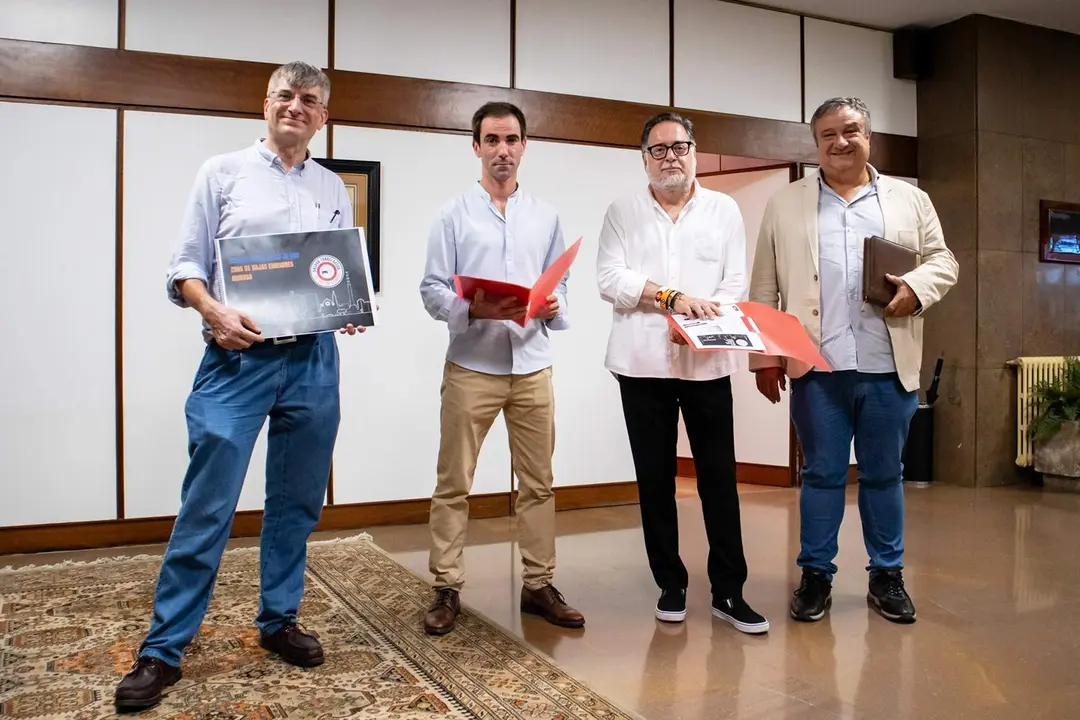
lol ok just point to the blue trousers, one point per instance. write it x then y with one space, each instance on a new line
828 410
296 386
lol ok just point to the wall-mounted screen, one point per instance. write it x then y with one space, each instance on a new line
1059 231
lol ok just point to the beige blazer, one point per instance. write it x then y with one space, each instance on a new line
785 272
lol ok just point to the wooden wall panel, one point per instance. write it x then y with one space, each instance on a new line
40 71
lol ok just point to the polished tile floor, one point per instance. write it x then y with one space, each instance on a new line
995 574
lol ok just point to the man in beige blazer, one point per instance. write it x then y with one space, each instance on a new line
808 263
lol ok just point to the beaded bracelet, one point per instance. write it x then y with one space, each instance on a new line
666 297
672 299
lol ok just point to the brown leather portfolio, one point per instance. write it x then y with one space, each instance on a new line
881 257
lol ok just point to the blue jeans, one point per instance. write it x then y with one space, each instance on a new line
828 409
296 386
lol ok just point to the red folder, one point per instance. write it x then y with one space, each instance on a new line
534 298
782 334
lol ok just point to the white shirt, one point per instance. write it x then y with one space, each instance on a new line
471 237
703 254
248 192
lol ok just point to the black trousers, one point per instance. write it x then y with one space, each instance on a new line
651 409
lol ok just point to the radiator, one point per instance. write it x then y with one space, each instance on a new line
1030 371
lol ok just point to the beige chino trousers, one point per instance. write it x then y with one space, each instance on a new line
470 403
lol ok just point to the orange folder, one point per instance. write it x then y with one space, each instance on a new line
781 332
784 335
533 298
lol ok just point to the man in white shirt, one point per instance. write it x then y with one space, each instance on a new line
495 230
676 247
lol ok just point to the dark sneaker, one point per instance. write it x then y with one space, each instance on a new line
142 687
295 646
443 612
740 615
671 607
813 598
888 596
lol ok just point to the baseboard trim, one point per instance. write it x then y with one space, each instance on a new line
248 523
746 473
755 474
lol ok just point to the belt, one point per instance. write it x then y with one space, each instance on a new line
290 340
282 342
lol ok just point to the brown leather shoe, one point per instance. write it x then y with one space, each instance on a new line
548 603
444 610
142 687
294 646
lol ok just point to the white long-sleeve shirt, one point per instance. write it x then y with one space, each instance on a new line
471 237
703 254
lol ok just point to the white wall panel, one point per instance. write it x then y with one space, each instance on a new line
162 342
461 41
615 49
57 368
73 22
761 428
390 376
737 59
389 438
590 433
274 31
843 60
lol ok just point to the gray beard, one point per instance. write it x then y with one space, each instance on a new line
672 182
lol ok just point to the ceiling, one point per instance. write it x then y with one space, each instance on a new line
892 14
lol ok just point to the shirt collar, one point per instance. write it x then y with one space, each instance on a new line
271 159
647 193
873 178
479 189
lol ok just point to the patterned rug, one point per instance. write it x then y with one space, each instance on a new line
69 632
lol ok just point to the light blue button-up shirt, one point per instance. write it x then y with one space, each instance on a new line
471 237
853 333
248 192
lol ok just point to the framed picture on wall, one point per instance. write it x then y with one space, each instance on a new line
361 178
1059 232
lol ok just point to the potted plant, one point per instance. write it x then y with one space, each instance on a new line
1055 429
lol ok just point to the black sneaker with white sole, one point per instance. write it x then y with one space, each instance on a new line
671 607
888 596
741 616
814 596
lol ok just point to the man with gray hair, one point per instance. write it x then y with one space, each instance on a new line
271 186
677 247
809 262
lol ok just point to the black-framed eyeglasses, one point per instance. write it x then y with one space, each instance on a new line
659 152
286 96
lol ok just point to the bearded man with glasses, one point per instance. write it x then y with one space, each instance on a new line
270 186
676 247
